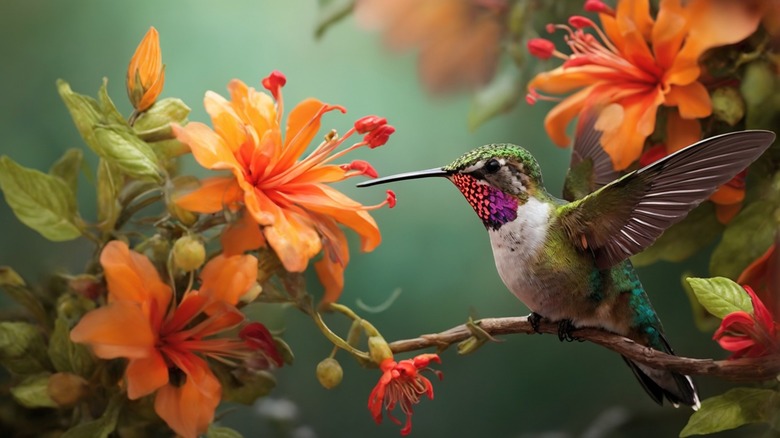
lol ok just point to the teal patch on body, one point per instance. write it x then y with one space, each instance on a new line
644 316
596 285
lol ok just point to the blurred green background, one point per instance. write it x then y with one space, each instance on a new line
435 249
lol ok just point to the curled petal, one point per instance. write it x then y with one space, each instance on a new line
228 278
189 409
131 276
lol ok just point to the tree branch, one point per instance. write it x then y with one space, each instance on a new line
764 368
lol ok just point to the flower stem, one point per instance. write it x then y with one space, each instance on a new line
336 339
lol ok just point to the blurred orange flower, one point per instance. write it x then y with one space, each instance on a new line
146 72
288 197
402 384
459 40
635 64
167 342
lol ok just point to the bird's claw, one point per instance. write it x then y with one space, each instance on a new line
535 318
565 329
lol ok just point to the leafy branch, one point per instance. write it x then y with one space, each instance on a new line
757 369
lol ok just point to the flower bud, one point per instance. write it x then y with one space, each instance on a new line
728 105
378 349
67 389
250 295
758 83
329 373
87 286
188 253
146 72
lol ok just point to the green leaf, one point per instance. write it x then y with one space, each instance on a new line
331 12
222 432
684 238
13 284
33 392
23 348
242 385
732 409
721 296
703 319
66 355
109 181
111 116
746 238
162 113
108 134
68 167
499 96
101 427
284 350
127 152
40 201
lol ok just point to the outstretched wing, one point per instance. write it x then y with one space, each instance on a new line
628 215
590 167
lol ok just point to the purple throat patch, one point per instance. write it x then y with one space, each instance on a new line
493 206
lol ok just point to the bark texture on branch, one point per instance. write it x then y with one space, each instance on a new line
764 368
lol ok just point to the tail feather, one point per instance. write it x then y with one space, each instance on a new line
659 384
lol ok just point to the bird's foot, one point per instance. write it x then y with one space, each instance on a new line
565 329
535 318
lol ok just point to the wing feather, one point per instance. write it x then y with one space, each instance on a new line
626 216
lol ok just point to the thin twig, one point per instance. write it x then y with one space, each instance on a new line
757 369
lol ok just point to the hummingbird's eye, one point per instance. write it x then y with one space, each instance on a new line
492 166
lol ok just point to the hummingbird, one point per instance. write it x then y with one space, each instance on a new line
567 259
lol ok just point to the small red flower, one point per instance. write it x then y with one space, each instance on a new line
749 335
402 384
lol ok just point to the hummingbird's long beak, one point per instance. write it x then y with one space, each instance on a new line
408 175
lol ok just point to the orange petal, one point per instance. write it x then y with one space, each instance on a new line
670 29
680 132
331 275
146 375
303 123
712 23
227 123
565 79
228 278
332 203
189 408
692 100
636 12
634 24
256 108
558 118
290 234
213 195
725 213
242 235
131 276
624 132
727 195
208 148
106 330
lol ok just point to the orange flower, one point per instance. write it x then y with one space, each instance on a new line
167 342
459 40
288 197
402 384
636 64
146 72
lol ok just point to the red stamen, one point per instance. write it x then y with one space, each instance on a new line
362 167
599 6
274 82
541 48
391 199
550 28
379 136
369 123
580 22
